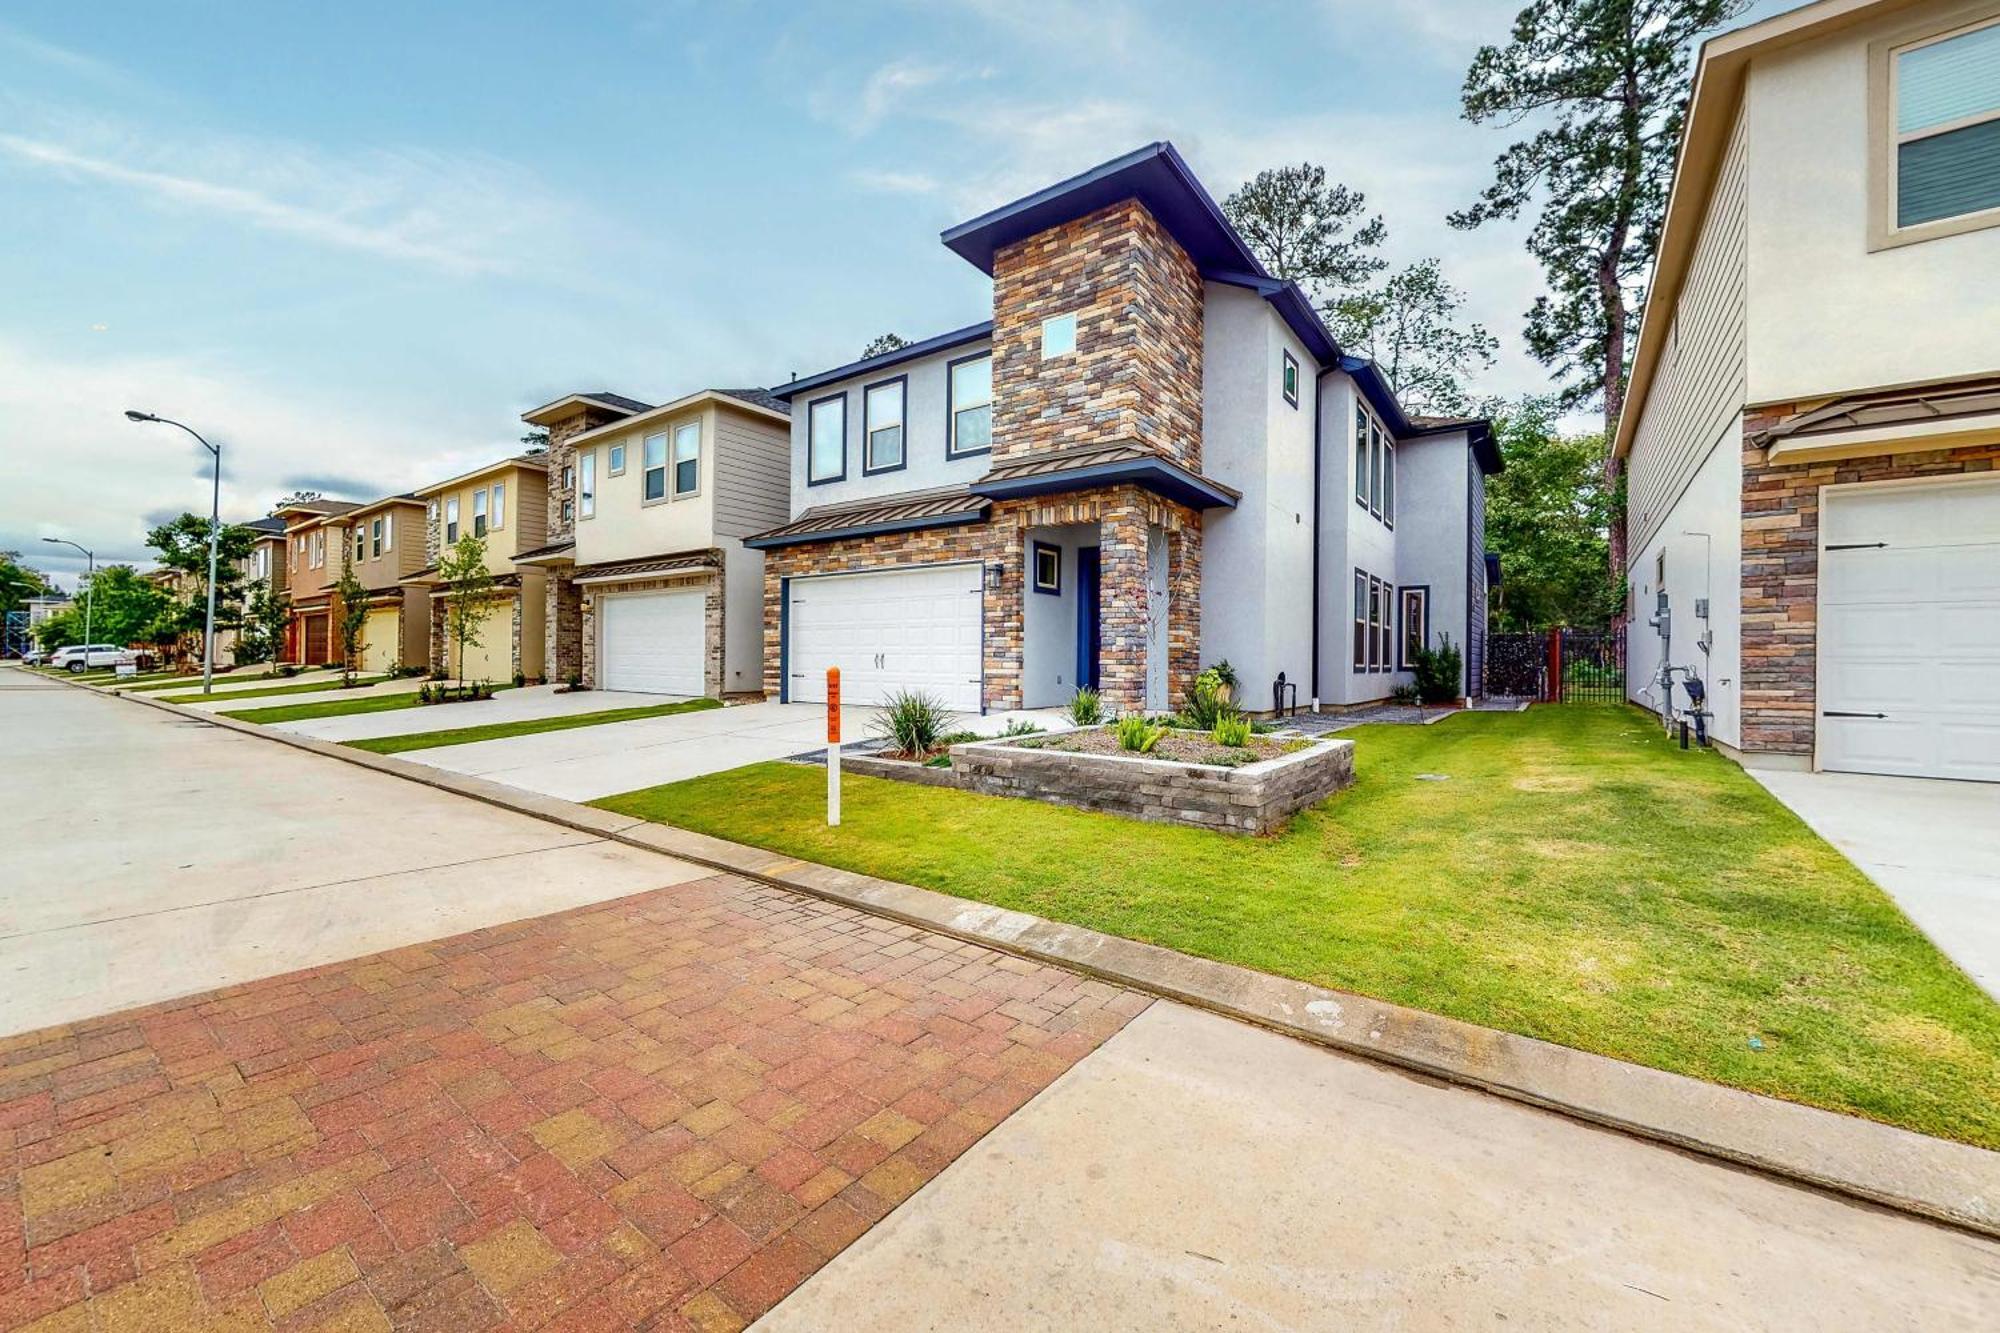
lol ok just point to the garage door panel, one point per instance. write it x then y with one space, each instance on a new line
654 643
920 623
1909 632
382 640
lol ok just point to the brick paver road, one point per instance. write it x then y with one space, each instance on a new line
665 1111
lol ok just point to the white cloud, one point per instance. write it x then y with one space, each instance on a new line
885 91
112 474
61 57
895 182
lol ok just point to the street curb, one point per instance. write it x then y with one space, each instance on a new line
1930 1178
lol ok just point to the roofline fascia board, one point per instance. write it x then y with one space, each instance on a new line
701 398
685 572
435 488
1159 476
959 519
942 342
534 414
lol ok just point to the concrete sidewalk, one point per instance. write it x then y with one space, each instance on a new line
1933 846
528 703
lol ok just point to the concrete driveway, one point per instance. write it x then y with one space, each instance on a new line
521 705
1933 846
148 856
332 693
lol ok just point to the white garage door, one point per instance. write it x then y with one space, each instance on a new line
1909 634
652 642
904 629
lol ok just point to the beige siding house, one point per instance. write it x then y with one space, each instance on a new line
384 541
650 586
503 505
1813 511
312 566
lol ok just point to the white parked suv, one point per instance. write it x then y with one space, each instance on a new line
85 657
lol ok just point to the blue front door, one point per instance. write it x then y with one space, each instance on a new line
1086 616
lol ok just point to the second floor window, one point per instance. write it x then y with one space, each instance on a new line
617 460
826 439
388 532
687 458
479 513
1374 466
499 504
451 520
375 537
1946 109
1291 373
360 543
319 549
586 485
882 440
971 395
654 483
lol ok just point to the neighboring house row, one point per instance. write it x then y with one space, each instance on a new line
1813 429
1151 458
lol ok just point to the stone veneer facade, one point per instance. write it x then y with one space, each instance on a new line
1780 633
1125 515
562 656
1135 376
712 624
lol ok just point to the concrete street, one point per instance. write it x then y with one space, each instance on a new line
1933 846
690 1097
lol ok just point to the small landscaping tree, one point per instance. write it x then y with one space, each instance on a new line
350 617
267 613
468 587
1437 671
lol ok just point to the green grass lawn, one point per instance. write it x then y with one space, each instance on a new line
167 680
494 731
1577 879
144 680
367 703
271 691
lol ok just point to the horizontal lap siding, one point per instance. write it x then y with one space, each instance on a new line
753 475
1698 388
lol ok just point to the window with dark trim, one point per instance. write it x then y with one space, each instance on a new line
883 406
1416 624
1375 469
826 439
1048 568
1360 621
1360 454
1291 379
968 405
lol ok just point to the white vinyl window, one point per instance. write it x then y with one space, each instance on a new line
451 520
586 484
499 505
388 532
882 440
617 460
479 513
1946 106
1058 336
655 479
971 395
687 458
319 549
375 537
826 439
360 543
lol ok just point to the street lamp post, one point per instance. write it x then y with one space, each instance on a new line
89 590
214 535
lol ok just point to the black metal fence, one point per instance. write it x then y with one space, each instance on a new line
1557 665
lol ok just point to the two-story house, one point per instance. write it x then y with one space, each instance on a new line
312 567
1152 457
649 587
504 505
381 542
1812 437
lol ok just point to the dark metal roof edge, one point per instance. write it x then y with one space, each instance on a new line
1157 474
958 519
942 342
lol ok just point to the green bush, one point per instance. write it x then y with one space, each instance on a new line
1138 733
1205 702
1086 709
1406 694
1231 729
1020 726
1437 671
913 722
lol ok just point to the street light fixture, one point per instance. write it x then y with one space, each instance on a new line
214 534
89 590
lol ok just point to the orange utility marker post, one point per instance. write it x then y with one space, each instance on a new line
833 747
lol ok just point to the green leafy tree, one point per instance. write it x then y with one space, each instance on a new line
127 610
182 544
884 343
267 612
468 587
1549 513
1413 328
1309 230
1605 81
350 616
297 498
535 440
18 583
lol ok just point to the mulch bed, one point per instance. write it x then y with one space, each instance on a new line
1187 747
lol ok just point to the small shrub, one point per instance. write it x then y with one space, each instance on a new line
1020 726
290 669
1437 671
1138 733
1225 675
1205 701
1086 709
1231 729
1405 694
913 721
951 738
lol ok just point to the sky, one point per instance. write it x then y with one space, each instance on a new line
352 243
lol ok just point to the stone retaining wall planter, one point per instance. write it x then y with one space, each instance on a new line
1255 798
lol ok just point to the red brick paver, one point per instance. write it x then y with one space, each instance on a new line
665 1111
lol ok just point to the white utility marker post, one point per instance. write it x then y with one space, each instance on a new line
833 747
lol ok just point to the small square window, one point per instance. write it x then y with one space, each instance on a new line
617 460
1291 379
1048 568
1058 336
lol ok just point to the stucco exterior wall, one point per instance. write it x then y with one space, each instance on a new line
1825 313
1049 620
1431 533
924 435
624 525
